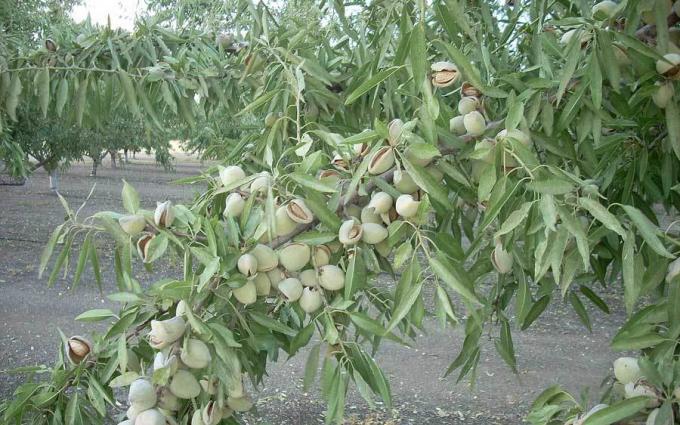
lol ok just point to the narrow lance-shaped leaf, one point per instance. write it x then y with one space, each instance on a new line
631 289
617 411
355 278
43 89
311 183
12 101
454 278
81 99
602 215
647 230
62 96
371 83
130 198
48 250
129 90
673 125
417 56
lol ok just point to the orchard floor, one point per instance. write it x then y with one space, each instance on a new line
557 349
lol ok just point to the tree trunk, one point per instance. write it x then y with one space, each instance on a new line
95 164
54 180
125 152
113 159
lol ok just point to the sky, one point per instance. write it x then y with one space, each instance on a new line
122 12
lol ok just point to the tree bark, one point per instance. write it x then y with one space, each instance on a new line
95 164
54 180
113 159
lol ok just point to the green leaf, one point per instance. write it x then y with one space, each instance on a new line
603 215
628 342
550 186
130 198
575 228
63 255
469 71
573 55
595 75
317 204
514 219
271 324
356 275
43 88
403 253
523 300
260 101
630 286
316 238
222 332
82 259
125 297
535 311
505 347
515 111
12 100
312 183
673 125
122 353
445 303
62 96
124 379
95 315
417 57
72 412
49 249
372 326
81 99
592 296
130 92
311 367
617 411
580 310
426 182
168 98
301 339
156 247
208 272
371 83
405 303
647 230
454 277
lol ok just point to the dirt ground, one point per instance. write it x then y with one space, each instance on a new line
555 350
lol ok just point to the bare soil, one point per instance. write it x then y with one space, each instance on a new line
557 349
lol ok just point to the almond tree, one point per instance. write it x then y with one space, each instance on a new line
505 156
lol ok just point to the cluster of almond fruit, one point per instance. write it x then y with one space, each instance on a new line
297 271
630 383
278 267
183 360
668 67
135 225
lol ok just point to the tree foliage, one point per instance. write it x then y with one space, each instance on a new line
506 156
